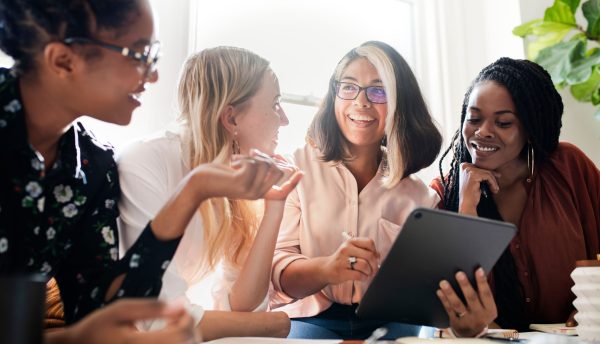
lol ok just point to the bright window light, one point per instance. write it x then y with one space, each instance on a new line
303 40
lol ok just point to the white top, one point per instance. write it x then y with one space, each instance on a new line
149 172
326 203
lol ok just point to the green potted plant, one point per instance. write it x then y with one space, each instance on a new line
569 51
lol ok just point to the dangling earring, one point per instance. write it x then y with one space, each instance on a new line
530 161
235 145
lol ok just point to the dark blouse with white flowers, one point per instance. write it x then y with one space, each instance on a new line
62 222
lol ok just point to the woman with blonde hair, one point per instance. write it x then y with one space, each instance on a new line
229 102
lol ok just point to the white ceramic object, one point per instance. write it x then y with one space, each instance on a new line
587 303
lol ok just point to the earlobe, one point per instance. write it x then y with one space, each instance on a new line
60 59
227 118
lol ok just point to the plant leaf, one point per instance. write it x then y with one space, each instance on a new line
591 12
591 52
560 13
545 41
583 91
573 4
582 69
527 28
547 27
596 96
558 59
594 30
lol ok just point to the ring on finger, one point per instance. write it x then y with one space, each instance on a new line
351 261
460 314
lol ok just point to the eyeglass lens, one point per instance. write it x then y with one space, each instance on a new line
349 91
152 54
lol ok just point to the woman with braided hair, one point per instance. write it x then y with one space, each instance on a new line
59 187
507 164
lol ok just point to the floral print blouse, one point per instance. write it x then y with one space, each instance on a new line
61 222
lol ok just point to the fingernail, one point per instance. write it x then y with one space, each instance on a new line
480 272
461 276
444 284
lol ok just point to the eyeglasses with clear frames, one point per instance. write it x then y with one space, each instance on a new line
148 58
349 91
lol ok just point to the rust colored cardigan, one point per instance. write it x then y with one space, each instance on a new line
560 224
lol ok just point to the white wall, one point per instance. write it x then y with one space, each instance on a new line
579 125
158 102
458 38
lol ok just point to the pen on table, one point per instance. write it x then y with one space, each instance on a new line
376 335
503 335
506 339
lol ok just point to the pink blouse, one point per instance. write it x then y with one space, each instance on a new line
327 203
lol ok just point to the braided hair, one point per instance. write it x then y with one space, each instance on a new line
539 108
26 26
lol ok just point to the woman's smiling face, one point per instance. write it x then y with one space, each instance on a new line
361 122
492 131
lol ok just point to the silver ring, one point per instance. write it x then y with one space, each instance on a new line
351 261
460 315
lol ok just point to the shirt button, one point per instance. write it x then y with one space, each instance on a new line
517 246
527 299
526 273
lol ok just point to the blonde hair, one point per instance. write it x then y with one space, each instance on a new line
210 81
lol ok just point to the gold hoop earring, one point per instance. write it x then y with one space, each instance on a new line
530 161
235 145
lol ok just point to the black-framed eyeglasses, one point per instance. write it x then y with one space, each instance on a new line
349 91
149 57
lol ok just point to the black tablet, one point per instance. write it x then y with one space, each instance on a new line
432 245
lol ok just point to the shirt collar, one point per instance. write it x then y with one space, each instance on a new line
69 151
13 130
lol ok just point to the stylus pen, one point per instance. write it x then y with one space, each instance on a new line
346 235
506 339
485 189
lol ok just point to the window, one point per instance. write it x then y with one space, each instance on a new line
303 40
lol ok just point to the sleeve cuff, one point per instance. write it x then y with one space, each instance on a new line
150 253
279 264
145 263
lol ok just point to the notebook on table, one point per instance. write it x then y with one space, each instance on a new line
432 245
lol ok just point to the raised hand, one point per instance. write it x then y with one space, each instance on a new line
248 177
471 319
291 177
471 178
339 267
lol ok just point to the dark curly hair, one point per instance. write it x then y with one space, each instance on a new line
26 26
539 108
